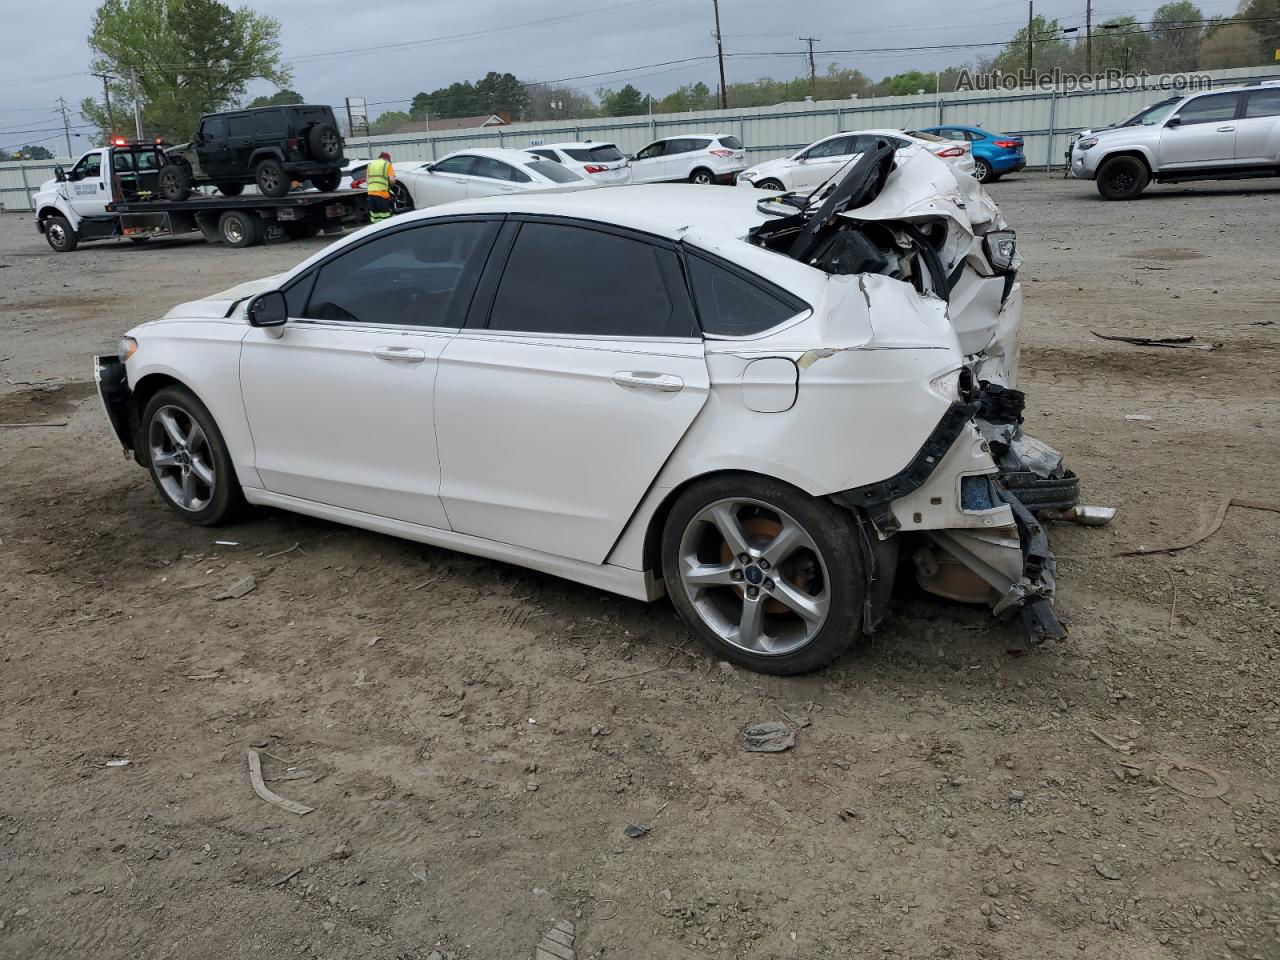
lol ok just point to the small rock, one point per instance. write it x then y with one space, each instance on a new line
473 834
991 888
22 911
340 852
118 848
531 785
1106 872
329 926
419 872
984 908
993 923
1017 796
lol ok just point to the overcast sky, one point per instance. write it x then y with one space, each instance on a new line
388 51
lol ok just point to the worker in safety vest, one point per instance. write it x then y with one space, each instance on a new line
379 178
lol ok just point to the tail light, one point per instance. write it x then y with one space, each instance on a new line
1008 143
293 144
951 152
722 153
358 184
595 168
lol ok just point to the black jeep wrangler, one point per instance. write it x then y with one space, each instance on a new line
267 146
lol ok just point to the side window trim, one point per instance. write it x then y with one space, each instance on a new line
1235 114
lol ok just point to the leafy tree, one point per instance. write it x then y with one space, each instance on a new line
1049 50
189 57
1231 45
1121 43
691 96
1176 33
626 102
493 93
36 152
903 84
548 102
280 98
1266 17
501 93
388 121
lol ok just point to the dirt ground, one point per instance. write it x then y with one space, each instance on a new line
475 738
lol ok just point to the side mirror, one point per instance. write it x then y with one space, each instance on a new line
268 310
1173 122
59 174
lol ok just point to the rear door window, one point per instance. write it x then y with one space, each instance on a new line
268 124
731 305
240 125
1213 108
696 143
422 276
565 279
1262 103
554 172
497 170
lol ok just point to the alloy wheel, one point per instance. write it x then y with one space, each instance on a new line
755 576
702 177
181 458
770 185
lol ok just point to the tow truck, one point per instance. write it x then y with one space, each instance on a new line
113 191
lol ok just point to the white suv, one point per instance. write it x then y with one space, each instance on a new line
1220 135
697 158
601 163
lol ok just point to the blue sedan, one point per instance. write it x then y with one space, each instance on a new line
994 154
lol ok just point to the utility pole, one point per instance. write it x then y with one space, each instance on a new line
1088 37
724 93
1031 19
137 106
813 71
66 124
106 93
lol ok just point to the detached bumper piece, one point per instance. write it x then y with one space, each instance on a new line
1032 595
113 390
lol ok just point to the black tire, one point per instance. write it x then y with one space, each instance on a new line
230 189
835 562
225 499
271 179
240 228
982 171
401 199
1122 178
175 182
324 142
702 175
301 231
59 235
770 184
328 182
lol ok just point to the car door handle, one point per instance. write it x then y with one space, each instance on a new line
645 380
399 354
1225 129
460 180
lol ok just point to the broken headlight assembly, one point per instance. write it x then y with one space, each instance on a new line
1002 250
954 385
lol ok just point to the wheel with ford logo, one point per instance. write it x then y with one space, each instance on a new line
768 576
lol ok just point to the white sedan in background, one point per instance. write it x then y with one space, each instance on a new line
647 389
482 172
602 163
807 168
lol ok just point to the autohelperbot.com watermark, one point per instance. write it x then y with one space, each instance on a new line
1057 79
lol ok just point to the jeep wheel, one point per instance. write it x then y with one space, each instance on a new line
60 236
325 144
327 183
271 179
175 182
230 189
1122 178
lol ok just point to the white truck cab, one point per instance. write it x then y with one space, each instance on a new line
73 206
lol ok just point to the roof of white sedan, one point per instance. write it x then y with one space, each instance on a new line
662 209
517 157
573 145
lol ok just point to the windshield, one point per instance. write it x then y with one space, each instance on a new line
1152 115
605 153
552 171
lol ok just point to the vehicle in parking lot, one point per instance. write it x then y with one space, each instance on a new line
481 172
603 163
354 173
269 147
644 389
994 154
697 158
1229 134
822 159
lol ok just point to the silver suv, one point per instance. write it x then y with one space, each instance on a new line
1220 135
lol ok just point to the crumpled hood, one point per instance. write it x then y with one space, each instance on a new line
218 305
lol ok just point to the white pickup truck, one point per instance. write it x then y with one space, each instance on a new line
113 191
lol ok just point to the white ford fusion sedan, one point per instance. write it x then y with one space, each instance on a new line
482 172
752 405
